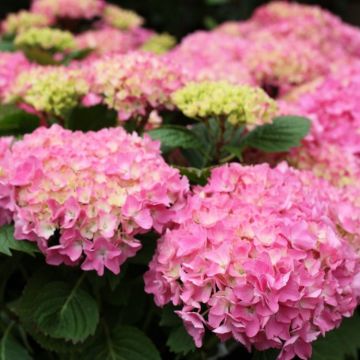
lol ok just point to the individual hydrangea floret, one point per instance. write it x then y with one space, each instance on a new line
70 9
136 83
11 65
7 192
122 19
237 104
260 257
159 43
52 90
53 40
84 197
23 20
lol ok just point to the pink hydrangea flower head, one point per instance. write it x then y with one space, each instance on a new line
337 164
7 198
212 56
283 64
260 257
72 9
83 197
334 107
136 83
11 65
279 11
107 41
318 27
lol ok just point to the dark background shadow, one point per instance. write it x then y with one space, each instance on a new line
180 17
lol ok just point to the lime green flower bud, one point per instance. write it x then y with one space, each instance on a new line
22 21
121 18
51 90
45 38
238 104
159 43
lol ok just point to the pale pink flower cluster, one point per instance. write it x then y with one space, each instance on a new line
334 107
11 65
332 148
290 44
134 84
7 198
72 9
277 64
112 41
261 257
315 25
83 197
212 56
339 165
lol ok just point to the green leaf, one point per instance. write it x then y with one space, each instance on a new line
76 55
121 343
92 118
283 134
195 176
10 349
180 342
235 150
174 136
57 345
208 137
339 343
8 242
59 310
6 46
14 121
40 56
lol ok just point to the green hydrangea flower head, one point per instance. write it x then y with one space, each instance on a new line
239 104
22 21
159 43
53 90
54 40
120 18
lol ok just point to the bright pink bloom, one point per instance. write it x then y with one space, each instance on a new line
260 256
7 194
334 106
83 197
212 56
134 84
107 40
11 65
72 9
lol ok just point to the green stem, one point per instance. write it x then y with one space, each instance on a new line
221 141
6 334
227 159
